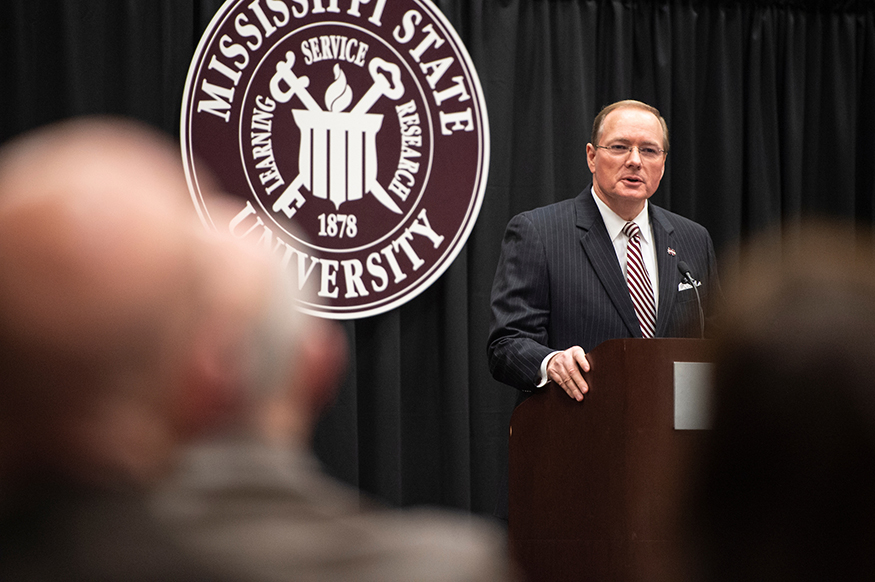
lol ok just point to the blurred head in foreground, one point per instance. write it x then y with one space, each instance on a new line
120 317
785 490
105 350
264 370
133 340
98 299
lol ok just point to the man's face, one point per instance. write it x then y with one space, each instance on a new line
625 181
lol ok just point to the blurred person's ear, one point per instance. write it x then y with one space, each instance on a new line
322 365
211 392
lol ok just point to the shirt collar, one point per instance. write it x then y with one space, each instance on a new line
614 224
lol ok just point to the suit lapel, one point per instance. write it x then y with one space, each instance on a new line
667 263
601 254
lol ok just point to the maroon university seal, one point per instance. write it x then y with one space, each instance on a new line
352 132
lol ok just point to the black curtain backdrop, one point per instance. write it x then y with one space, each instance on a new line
770 107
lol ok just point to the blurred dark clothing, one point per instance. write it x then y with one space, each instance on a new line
783 491
272 514
56 530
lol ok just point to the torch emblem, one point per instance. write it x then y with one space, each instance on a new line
337 159
351 138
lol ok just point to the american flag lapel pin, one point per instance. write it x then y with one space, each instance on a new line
671 252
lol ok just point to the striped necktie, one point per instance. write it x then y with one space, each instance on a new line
640 287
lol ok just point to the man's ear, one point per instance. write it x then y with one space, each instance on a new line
590 157
211 386
322 365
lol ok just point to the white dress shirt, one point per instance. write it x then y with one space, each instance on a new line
614 225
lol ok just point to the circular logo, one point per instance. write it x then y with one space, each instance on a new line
353 134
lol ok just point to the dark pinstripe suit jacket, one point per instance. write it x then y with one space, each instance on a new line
558 284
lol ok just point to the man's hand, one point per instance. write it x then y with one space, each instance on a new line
564 368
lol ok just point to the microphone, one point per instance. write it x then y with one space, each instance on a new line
688 278
684 268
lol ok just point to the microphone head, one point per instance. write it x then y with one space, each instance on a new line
684 268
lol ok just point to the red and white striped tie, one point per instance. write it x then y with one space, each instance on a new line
640 287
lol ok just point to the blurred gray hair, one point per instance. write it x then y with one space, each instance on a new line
271 345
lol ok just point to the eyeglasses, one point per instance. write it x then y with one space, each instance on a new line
649 153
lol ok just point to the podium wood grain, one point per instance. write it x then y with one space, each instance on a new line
593 484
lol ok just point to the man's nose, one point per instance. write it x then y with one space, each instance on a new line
634 158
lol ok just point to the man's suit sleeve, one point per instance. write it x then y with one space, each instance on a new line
520 307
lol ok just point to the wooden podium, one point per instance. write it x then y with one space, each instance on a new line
593 484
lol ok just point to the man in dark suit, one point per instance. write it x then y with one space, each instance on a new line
560 288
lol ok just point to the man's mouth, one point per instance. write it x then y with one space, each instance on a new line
632 180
